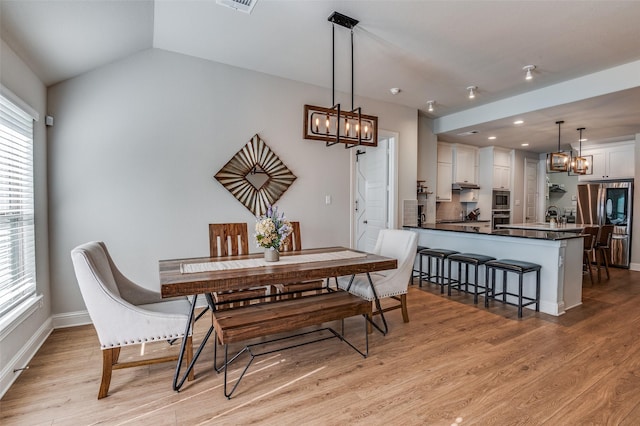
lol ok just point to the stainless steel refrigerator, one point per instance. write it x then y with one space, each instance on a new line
609 203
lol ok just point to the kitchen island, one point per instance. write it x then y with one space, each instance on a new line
558 252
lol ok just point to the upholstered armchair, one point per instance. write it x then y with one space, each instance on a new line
397 244
124 313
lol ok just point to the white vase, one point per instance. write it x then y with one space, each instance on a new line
271 255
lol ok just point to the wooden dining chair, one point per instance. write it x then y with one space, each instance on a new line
590 239
293 242
232 239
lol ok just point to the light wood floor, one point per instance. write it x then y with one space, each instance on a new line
453 363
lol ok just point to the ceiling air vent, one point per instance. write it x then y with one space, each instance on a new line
245 6
469 133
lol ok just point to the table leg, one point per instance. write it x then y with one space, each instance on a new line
177 380
377 302
378 307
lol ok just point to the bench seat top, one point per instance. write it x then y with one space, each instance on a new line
264 319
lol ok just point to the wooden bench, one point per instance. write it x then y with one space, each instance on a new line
261 320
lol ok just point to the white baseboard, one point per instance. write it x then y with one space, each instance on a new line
23 357
71 319
634 266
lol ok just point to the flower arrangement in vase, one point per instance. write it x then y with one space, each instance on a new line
271 230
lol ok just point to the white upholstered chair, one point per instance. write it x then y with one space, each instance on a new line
124 313
394 243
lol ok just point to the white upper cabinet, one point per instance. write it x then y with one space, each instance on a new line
501 177
611 162
445 153
443 187
501 157
465 164
501 169
445 172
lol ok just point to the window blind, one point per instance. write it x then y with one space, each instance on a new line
17 236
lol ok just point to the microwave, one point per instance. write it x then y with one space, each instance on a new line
501 200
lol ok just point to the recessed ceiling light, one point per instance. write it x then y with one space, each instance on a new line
518 122
395 90
524 144
491 138
583 140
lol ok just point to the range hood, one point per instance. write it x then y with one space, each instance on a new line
464 185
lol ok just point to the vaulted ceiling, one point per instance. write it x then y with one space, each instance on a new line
586 54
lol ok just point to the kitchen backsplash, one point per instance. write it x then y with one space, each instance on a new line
409 212
451 210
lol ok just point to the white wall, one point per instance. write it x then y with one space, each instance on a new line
517 192
18 345
635 227
136 144
428 161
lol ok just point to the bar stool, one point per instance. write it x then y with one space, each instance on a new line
516 266
416 272
468 259
440 255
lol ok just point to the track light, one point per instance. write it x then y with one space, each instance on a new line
472 91
528 69
430 105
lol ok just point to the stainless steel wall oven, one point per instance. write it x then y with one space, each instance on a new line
501 200
500 217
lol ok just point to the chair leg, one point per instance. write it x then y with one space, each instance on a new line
369 321
403 305
109 358
587 263
603 253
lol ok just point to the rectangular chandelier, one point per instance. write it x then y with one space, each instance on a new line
581 165
334 126
558 162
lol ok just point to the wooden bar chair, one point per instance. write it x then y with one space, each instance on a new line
602 246
590 239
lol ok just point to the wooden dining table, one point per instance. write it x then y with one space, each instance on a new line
206 275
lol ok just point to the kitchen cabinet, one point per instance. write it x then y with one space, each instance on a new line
445 153
501 169
444 172
465 164
501 177
443 187
501 157
611 162
494 173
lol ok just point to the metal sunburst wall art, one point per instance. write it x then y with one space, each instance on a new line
256 176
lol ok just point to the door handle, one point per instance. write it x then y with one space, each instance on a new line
365 222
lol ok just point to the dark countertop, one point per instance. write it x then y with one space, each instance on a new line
519 233
459 222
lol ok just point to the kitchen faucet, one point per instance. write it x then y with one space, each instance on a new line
548 213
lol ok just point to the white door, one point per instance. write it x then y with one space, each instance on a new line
530 190
371 194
